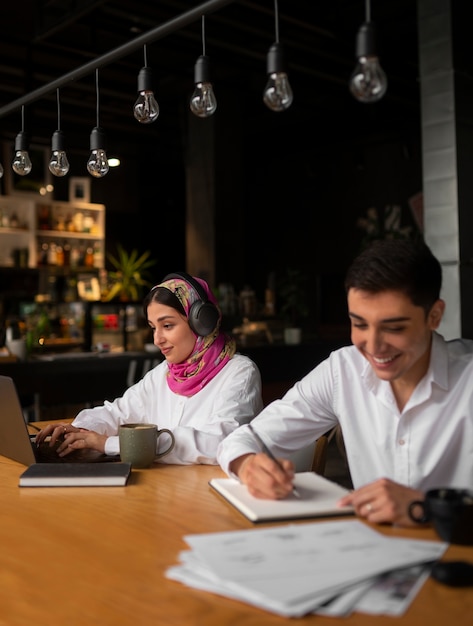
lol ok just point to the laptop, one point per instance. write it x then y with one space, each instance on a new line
16 442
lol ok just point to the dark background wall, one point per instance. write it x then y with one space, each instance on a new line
287 198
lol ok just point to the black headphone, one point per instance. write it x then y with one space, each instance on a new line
203 315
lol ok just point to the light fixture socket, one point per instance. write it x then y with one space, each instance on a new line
97 139
21 141
202 70
366 40
145 79
275 59
57 141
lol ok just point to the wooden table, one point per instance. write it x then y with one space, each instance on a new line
98 556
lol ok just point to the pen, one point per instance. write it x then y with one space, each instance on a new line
267 451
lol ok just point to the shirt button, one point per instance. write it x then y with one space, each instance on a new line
401 442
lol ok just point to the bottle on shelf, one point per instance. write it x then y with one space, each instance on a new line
44 217
43 254
88 223
52 254
61 223
79 222
98 255
66 247
14 221
89 257
75 255
70 227
59 255
5 220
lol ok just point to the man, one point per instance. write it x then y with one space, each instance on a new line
402 395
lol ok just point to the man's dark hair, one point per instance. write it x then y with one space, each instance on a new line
401 265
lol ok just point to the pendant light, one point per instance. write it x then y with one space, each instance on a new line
97 165
203 101
58 164
368 82
146 108
21 163
278 93
1 170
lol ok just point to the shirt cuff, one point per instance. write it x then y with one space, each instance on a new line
112 446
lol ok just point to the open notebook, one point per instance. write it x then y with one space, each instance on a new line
16 443
318 498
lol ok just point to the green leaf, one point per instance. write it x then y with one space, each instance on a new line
130 274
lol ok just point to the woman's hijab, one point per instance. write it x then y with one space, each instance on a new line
210 354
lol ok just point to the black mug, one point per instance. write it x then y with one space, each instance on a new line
449 510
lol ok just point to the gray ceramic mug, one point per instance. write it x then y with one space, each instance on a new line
139 444
450 511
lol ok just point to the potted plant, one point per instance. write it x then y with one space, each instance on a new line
130 275
293 303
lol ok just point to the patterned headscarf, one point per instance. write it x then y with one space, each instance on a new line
210 353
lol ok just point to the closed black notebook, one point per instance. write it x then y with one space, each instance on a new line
76 475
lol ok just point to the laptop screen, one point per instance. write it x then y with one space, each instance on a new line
16 442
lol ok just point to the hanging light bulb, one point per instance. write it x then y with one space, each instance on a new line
368 82
58 164
278 93
21 163
145 109
1 170
203 101
97 165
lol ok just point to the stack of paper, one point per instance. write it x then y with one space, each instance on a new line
295 569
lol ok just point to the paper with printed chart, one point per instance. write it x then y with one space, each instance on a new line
294 568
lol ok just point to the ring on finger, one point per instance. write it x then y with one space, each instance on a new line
369 507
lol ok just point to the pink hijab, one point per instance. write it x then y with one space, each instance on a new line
210 354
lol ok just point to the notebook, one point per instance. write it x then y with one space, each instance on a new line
318 498
16 443
76 475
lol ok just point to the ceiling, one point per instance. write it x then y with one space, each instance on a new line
43 41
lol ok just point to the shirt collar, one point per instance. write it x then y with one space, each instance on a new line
438 368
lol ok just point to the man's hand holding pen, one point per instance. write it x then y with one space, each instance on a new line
265 476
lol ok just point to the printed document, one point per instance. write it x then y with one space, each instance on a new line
293 569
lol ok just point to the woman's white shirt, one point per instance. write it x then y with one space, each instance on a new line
199 422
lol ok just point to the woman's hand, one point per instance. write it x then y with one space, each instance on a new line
55 432
263 477
383 501
68 438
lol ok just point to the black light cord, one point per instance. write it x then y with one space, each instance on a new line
58 110
203 35
97 94
276 20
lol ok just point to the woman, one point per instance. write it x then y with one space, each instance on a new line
202 390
